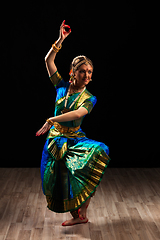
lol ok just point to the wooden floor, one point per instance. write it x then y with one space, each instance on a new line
126 206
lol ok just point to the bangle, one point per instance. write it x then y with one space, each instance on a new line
55 48
50 122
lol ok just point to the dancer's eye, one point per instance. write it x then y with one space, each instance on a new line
82 71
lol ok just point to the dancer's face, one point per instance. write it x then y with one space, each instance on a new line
83 75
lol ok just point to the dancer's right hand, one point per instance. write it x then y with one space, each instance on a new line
43 129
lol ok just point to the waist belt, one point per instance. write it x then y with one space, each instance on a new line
64 129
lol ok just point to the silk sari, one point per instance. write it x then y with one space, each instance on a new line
72 165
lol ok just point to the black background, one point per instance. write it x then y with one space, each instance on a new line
125 116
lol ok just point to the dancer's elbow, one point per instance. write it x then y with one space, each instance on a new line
77 115
81 112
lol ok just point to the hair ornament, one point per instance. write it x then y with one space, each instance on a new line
76 63
79 60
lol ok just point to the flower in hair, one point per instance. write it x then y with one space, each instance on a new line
71 72
71 76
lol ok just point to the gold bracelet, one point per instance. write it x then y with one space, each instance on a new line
58 48
50 122
55 48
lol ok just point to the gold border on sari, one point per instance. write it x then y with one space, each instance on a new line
101 162
56 78
57 154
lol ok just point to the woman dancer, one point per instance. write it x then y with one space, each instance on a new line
72 165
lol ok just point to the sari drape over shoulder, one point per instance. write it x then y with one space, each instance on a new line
72 165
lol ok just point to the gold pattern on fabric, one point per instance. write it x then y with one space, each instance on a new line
60 100
54 133
63 150
82 98
52 147
64 129
97 171
88 105
57 154
56 78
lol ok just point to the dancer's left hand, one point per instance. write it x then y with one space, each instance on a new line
44 129
63 33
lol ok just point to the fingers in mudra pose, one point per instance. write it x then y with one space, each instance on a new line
65 30
43 129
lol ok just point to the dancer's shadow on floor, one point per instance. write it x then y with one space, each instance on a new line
115 229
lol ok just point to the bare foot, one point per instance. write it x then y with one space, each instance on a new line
83 209
74 221
82 212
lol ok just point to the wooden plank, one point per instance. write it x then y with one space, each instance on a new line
13 231
126 207
36 234
96 235
124 216
150 225
136 219
48 229
30 210
155 213
24 235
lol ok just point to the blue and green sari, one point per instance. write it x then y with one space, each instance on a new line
72 165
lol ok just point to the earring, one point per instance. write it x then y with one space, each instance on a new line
70 80
74 80
91 80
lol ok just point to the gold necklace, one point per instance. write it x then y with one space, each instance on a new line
76 89
65 110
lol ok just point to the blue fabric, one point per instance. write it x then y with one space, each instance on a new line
62 89
77 143
82 162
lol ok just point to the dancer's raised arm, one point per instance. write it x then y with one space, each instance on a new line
50 57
